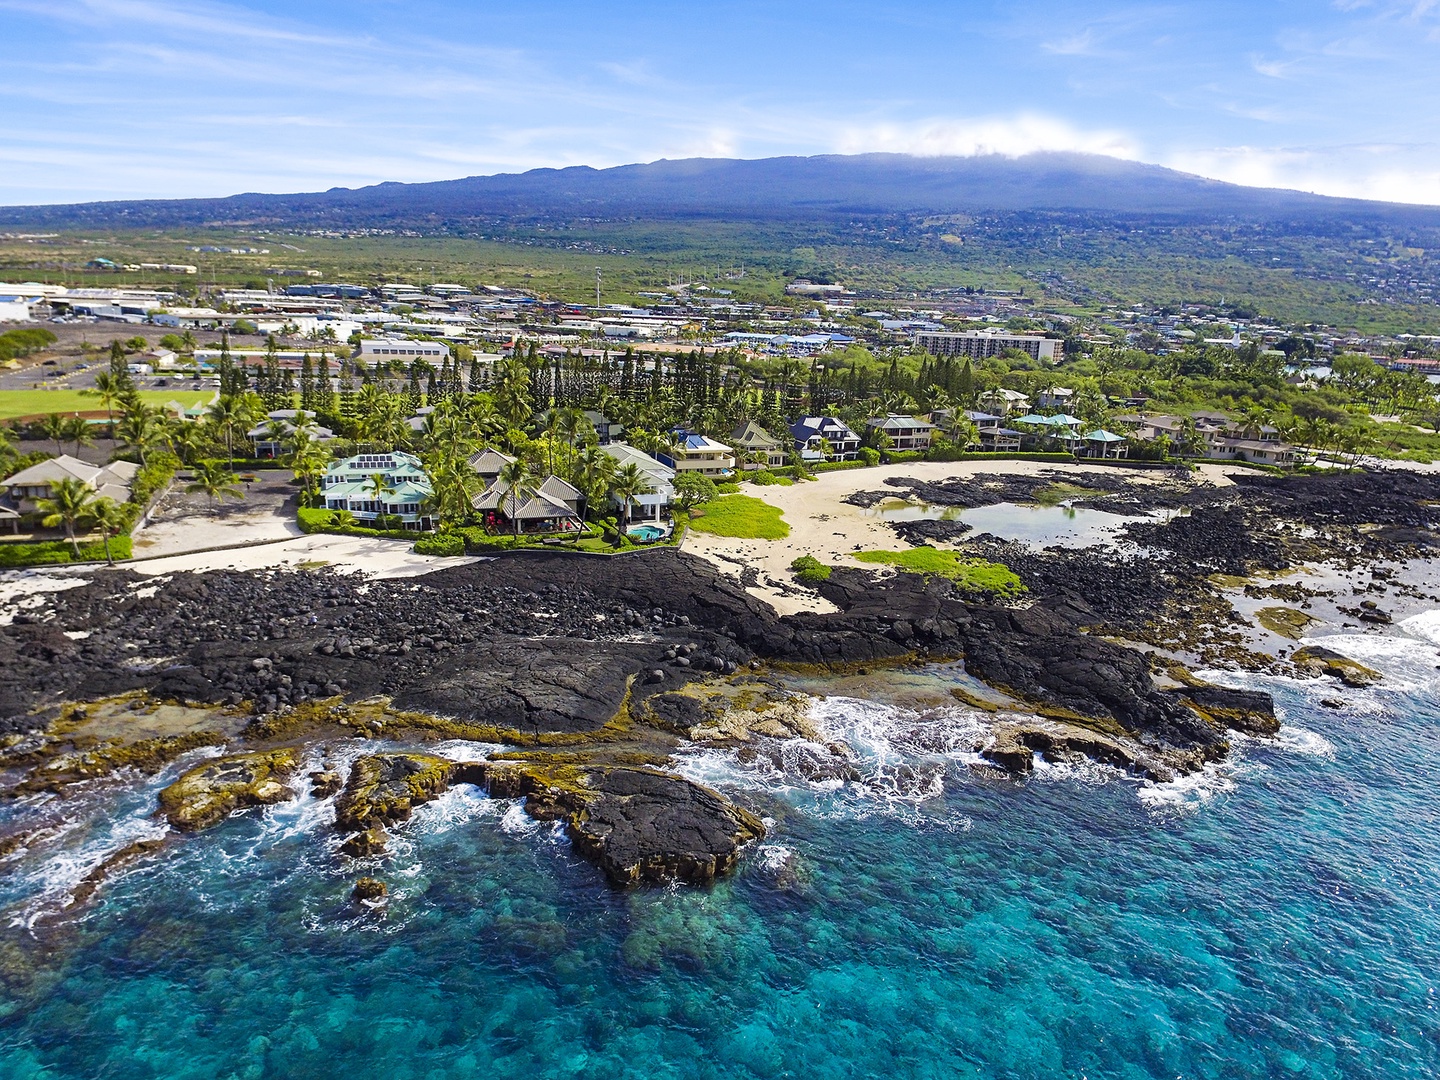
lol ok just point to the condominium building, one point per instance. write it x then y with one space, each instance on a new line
982 343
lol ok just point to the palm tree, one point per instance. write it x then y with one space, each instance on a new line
111 518
109 390
379 486
187 343
629 483
593 472
520 485
230 416
185 438
70 502
216 481
77 431
54 428
139 427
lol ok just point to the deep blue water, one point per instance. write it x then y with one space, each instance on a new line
1273 918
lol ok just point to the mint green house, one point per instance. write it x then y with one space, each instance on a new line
404 490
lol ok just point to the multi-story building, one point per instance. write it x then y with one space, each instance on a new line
403 489
812 434
984 343
660 479
754 441
434 352
905 433
700 454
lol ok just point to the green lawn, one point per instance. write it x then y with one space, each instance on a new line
976 575
15 403
742 516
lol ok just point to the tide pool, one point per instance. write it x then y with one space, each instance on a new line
1273 917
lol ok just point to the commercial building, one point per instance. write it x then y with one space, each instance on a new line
400 349
980 344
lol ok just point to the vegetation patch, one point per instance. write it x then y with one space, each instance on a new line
742 517
810 570
1285 621
51 552
972 575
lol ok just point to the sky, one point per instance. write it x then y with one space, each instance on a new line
107 99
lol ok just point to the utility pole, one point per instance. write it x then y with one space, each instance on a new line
597 288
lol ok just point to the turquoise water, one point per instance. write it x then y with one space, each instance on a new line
1275 917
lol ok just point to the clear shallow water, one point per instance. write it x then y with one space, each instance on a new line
1274 917
1041 526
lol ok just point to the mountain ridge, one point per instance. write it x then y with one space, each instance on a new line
794 187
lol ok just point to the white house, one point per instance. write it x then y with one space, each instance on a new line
656 503
404 489
811 433
700 454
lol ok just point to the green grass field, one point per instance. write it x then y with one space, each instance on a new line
15 403
975 575
742 517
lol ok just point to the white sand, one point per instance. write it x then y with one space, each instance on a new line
347 554
199 531
823 526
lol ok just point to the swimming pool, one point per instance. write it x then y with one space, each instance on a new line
646 533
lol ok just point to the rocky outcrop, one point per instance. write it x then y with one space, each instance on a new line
1249 711
369 890
385 788
1013 747
636 824
1317 660
209 793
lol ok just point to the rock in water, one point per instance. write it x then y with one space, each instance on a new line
372 841
371 889
636 824
386 787
1250 711
1317 660
209 793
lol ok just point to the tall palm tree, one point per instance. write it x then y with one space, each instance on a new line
519 481
54 428
110 392
216 481
629 484
306 457
139 427
70 502
187 343
112 519
378 485
77 431
230 417
185 438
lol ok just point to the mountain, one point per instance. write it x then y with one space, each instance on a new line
784 188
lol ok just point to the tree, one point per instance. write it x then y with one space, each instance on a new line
139 427
70 502
54 428
512 391
694 488
519 481
379 486
112 519
230 417
629 484
110 392
215 480
77 431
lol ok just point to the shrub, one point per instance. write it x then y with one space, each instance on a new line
810 570
440 544
51 552
869 455
764 478
157 472
726 489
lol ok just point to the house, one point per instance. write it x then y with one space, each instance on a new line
812 433
658 476
1003 402
554 506
488 463
404 489
1102 444
270 437
606 430
994 436
699 454
905 433
28 487
1057 397
753 441
1224 438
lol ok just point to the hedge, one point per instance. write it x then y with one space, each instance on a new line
51 552
440 544
315 520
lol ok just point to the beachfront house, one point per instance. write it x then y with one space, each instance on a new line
656 503
1002 402
812 434
906 433
403 490
1224 438
553 507
699 454
25 490
752 442
488 463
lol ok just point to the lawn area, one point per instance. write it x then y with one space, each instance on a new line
976 575
15 403
742 517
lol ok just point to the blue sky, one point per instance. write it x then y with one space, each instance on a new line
154 98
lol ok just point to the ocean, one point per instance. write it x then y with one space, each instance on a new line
1273 916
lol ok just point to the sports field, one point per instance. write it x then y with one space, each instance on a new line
15 403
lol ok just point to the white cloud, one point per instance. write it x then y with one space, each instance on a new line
1010 136
1377 171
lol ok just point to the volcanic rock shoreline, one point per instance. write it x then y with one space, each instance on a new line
592 671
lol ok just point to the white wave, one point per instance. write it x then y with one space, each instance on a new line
517 822
773 858
1426 626
1094 773
1298 740
1186 794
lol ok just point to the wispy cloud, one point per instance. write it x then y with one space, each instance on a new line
1010 136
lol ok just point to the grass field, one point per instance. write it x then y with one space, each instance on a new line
742 517
976 575
15 403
